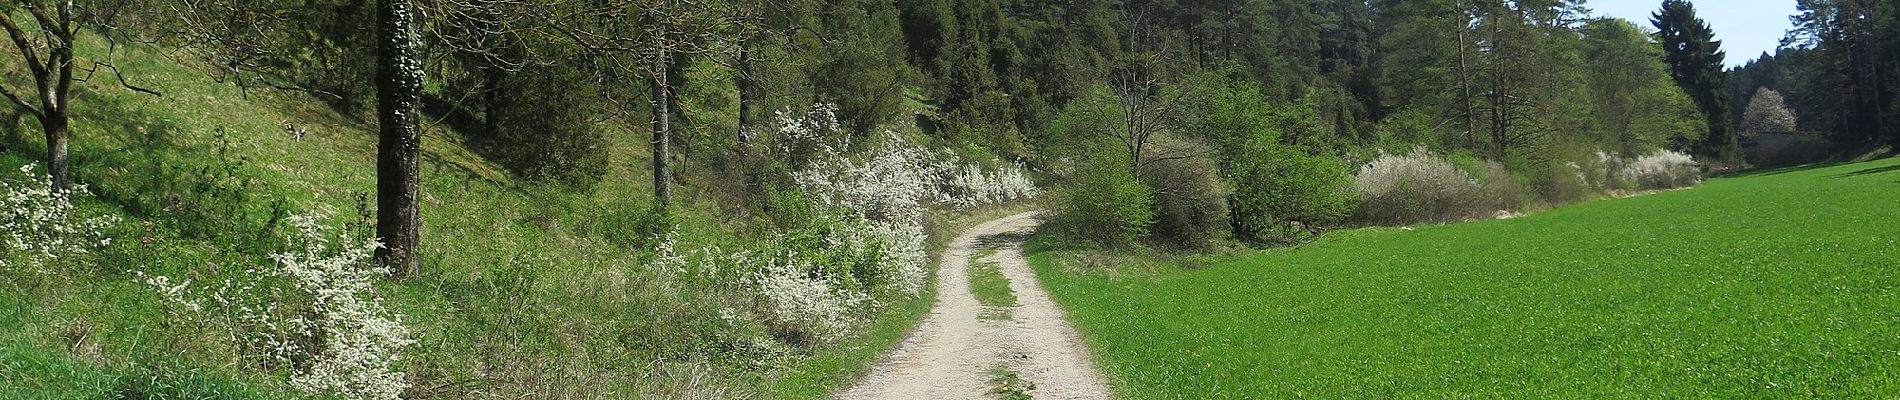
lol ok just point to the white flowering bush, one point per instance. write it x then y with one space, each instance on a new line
360 338
894 182
972 186
315 312
1664 169
40 226
1416 187
811 303
890 183
803 136
867 239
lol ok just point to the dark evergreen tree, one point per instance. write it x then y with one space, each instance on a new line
1855 62
1695 61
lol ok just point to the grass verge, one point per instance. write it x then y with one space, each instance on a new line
990 287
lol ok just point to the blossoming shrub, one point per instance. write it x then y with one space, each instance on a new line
40 227
1417 187
360 338
971 185
859 234
806 308
803 137
315 313
1427 187
1663 169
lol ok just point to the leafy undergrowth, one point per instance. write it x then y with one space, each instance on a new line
528 290
1773 285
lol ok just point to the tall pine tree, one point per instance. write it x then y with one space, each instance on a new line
1695 61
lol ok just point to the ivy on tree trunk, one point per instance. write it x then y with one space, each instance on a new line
399 95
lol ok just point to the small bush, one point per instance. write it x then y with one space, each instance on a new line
1562 183
1190 200
1662 170
806 308
1606 173
359 338
1499 189
630 224
1284 185
1416 187
1104 203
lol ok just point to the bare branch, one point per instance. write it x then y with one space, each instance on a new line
17 101
116 73
24 43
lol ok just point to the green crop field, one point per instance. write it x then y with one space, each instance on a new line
1780 284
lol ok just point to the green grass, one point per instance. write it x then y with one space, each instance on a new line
1781 285
990 287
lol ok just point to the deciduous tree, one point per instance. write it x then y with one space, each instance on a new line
47 45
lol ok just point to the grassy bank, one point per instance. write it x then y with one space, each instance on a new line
1771 285
529 289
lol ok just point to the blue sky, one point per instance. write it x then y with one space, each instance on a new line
1746 27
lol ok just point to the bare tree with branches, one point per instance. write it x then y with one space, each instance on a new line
47 45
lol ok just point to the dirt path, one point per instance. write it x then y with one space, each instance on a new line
951 354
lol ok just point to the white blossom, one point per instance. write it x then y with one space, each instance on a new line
1663 169
361 338
320 291
41 226
798 297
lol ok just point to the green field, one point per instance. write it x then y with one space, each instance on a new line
1781 284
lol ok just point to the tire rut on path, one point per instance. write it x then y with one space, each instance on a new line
950 354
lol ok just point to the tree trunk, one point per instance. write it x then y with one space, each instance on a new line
1464 83
493 99
662 132
58 133
399 95
748 94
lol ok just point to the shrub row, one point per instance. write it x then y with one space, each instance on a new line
1426 187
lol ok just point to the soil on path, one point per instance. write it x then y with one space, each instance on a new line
951 353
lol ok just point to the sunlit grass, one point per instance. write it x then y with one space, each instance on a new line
1773 285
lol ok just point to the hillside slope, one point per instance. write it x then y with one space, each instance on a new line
530 289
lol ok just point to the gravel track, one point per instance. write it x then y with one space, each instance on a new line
951 352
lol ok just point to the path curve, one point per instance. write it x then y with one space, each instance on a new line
950 354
